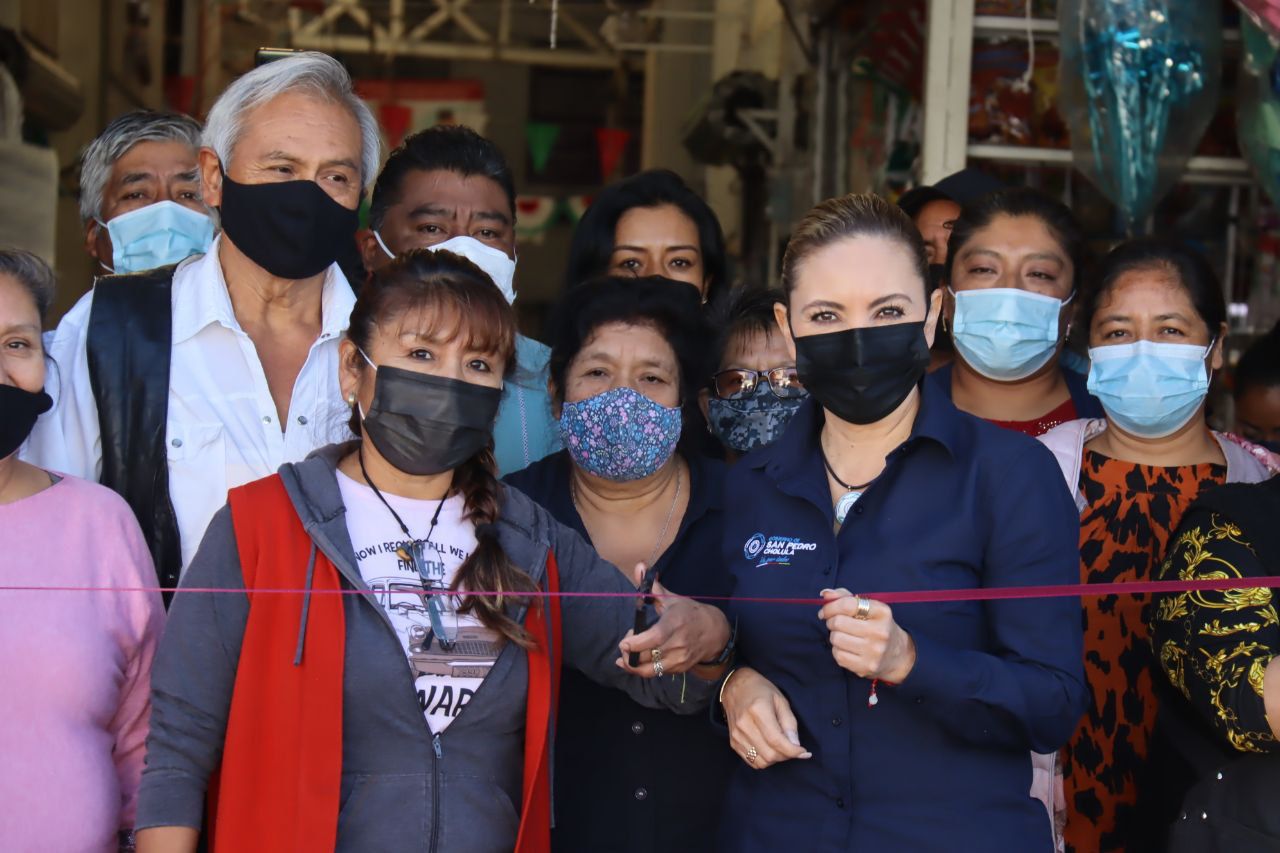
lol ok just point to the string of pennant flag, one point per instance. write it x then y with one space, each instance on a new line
542 136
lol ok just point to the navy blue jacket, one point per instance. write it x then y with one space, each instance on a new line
1087 405
942 762
629 779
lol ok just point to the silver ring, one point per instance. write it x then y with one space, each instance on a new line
657 667
864 608
752 755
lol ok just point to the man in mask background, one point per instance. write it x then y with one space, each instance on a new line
447 187
140 193
179 384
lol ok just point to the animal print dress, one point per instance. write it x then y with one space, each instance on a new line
1131 512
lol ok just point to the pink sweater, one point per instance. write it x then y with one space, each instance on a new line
75 668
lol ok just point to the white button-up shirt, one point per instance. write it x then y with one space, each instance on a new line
222 430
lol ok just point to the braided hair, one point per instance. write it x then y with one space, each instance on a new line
459 299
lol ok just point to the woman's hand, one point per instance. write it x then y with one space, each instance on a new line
685 634
762 729
864 638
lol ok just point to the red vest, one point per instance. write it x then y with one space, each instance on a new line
279 785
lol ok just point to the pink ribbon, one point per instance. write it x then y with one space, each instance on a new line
922 596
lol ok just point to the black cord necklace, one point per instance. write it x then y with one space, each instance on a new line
413 552
435 518
852 493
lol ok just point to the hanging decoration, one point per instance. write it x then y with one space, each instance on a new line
612 143
555 23
1132 71
541 137
1258 107
404 106
395 120
1264 14
576 205
534 215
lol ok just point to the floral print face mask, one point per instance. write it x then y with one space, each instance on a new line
620 435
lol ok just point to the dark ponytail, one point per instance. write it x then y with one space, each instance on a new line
461 301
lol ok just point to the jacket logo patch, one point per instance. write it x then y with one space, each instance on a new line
775 550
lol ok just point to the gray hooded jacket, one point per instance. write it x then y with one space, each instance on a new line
402 788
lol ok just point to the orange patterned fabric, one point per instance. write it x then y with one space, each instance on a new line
1131 511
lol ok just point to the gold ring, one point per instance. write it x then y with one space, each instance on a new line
864 608
656 654
752 755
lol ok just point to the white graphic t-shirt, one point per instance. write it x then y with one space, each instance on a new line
448 670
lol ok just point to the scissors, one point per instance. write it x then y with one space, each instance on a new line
644 600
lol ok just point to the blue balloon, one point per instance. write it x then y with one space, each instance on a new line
1258 107
1139 85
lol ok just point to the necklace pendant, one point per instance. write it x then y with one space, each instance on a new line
845 504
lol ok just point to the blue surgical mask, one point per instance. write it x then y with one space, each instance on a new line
751 423
1006 334
1148 389
156 235
620 435
494 262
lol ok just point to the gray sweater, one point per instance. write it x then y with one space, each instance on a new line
402 788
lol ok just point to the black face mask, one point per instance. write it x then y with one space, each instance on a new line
861 375
18 412
426 424
292 230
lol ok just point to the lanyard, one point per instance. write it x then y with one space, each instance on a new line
415 555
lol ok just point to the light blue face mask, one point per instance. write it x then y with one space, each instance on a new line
1148 389
1005 333
156 235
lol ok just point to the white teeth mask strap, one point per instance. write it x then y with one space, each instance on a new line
378 237
103 226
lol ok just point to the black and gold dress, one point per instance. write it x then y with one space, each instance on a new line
1215 647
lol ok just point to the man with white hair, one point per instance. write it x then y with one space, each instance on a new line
140 193
181 383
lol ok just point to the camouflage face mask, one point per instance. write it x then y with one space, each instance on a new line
751 423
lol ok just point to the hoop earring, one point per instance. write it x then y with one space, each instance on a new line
351 400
